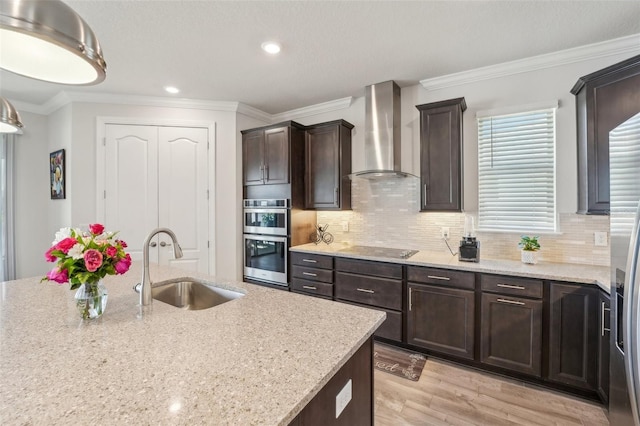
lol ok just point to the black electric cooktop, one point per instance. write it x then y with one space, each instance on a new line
393 253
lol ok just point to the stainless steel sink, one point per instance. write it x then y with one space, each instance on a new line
191 293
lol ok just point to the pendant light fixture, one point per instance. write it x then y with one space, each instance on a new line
48 40
9 118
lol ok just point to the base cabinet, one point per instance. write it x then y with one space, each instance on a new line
604 321
572 335
441 319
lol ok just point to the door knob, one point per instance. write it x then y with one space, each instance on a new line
163 244
153 244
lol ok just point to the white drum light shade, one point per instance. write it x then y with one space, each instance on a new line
9 118
47 40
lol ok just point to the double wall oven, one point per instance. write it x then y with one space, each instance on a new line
266 240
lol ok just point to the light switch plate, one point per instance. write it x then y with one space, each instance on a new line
343 398
600 239
345 226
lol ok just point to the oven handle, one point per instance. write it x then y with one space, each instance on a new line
269 210
260 237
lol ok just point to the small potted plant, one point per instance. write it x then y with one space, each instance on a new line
530 247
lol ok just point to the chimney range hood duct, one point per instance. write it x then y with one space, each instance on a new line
382 133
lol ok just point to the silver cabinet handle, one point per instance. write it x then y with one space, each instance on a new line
311 274
262 172
511 302
603 310
436 277
266 172
308 287
153 244
514 287
424 190
163 244
365 290
335 196
410 294
310 260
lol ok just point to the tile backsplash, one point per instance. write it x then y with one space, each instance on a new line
387 213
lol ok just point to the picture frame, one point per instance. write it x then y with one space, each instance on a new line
57 176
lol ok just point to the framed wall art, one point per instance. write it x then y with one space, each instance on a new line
57 175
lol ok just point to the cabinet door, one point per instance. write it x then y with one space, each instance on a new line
322 183
441 319
572 335
441 155
604 346
276 155
252 158
511 333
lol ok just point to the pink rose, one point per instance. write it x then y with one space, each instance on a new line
58 276
96 228
49 256
123 264
112 251
66 244
92 260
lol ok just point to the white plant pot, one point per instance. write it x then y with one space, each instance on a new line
530 257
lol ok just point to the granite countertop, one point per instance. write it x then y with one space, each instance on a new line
255 360
584 274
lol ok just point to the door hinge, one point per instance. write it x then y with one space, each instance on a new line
104 141
207 145
208 244
104 194
207 194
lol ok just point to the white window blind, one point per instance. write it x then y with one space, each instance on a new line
516 171
624 174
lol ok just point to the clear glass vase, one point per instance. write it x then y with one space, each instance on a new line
91 300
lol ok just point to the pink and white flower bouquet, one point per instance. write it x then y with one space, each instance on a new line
86 257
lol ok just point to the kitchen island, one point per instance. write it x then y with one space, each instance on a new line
259 359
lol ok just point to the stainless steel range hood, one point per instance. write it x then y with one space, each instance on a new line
382 133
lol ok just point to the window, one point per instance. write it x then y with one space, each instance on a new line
516 171
624 175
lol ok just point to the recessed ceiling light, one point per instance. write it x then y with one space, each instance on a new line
271 47
172 90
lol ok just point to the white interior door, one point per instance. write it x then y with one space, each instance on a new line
131 184
183 199
157 177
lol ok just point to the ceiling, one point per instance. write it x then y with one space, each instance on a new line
330 49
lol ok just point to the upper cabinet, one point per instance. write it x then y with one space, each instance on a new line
441 155
266 154
604 99
327 164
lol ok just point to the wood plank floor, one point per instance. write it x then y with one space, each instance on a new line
447 394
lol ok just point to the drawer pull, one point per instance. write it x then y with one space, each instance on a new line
365 290
602 327
308 287
436 277
310 260
511 302
311 274
511 286
410 294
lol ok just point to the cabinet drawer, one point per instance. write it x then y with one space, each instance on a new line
391 328
366 267
445 277
312 260
512 286
381 292
313 274
312 287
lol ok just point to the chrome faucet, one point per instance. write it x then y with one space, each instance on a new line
145 285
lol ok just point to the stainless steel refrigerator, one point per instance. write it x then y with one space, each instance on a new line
624 161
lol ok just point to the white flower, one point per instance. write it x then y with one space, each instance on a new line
61 235
77 251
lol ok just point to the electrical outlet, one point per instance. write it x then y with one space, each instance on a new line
342 398
600 238
345 226
444 231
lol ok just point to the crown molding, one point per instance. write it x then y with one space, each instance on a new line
629 45
321 108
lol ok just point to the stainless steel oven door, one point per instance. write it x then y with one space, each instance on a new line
265 258
266 221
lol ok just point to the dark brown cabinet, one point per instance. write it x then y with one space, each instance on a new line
441 155
265 154
604 99
441 315
604 320
511 325
572 335
312 274
327 165
375 285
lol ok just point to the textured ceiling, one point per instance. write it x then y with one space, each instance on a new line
331 49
